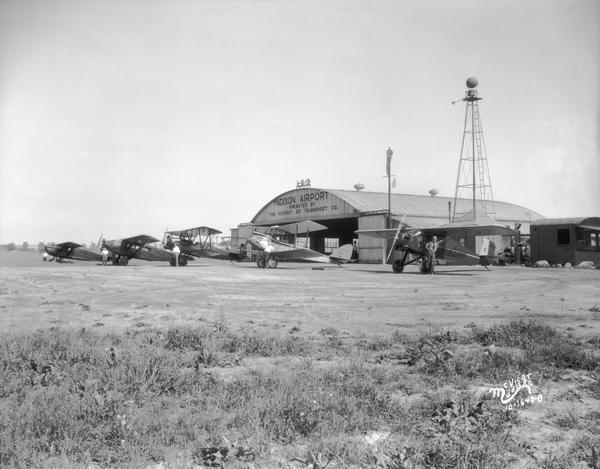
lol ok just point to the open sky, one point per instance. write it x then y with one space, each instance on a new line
128 117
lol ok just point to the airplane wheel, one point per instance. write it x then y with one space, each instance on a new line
272 263
123 261
424 266
260 263
115 261
398 266
172 261
182 261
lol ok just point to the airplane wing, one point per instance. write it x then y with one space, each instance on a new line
68 245
473 227
298 254
140 240
198 230
383 233
302 227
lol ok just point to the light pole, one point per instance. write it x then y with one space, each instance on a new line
389 176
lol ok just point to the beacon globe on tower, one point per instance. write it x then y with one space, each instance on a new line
472 82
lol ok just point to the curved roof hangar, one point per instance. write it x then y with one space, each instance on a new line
420 210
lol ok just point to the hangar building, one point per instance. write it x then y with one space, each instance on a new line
344 211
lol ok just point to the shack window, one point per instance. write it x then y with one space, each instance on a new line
302 242
331 244
562 236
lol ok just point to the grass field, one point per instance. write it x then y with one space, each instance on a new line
227 365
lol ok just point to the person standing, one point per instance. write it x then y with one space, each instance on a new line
431 247
104 256
176 252
45 256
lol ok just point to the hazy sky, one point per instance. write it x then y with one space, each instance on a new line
128 117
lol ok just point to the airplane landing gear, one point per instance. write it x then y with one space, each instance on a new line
398 266
123 261
269 263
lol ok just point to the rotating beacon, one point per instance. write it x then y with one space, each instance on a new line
473 178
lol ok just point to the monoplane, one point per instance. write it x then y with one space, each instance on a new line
202 241
409 244
70 250
278 243
140 247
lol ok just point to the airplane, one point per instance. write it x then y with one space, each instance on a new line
140 247
411 242
201 241
70 250
278 244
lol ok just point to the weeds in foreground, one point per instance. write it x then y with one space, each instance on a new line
133 399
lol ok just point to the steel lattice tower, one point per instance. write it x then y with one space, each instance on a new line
473 179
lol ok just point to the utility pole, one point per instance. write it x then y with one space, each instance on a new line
388 168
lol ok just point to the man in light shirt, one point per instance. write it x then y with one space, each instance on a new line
176 252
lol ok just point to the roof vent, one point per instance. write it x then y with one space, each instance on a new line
433 192
359 187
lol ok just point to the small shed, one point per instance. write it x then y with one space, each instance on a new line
562 240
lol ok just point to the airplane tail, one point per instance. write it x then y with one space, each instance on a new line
100 241
341 254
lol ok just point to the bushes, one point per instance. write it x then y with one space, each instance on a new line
135 398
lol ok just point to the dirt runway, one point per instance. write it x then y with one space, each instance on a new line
354 299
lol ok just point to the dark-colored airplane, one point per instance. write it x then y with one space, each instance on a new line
70 250
411 243
140 247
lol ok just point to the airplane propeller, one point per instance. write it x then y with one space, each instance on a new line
396 238
164 240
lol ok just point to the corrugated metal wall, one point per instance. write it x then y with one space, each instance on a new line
371 250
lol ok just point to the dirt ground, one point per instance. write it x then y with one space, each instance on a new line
355 299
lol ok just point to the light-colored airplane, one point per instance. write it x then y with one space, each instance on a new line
411 243
140 247
278 243
202 241
70 250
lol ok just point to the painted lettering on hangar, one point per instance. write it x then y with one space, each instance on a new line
303 204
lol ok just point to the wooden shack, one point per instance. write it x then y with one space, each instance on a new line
562 240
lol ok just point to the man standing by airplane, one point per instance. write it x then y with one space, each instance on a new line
176 252
431 247
104 255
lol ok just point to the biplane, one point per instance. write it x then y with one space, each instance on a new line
140 247
70 250
278 243
202 241
410 245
